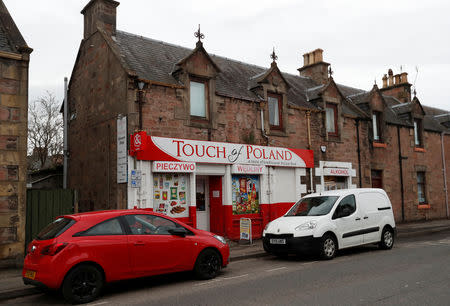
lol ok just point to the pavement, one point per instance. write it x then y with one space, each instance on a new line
11 284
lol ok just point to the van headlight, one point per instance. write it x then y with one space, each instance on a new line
306 226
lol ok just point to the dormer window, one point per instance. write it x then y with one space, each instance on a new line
275 111
376 126
418 133
331 119
198 98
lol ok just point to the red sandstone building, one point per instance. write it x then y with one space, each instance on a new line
210 140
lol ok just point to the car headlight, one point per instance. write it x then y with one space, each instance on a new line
306 226
220 238
267 226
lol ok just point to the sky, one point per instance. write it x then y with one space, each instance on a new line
361 39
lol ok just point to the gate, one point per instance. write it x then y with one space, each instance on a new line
42 208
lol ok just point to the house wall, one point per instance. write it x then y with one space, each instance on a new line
13 153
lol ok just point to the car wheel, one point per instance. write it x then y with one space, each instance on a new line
82 284
328 247
208 264
387 239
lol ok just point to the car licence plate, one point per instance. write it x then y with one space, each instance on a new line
30 274
277 241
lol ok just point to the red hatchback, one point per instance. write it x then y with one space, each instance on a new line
80 253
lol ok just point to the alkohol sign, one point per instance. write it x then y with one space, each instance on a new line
146 147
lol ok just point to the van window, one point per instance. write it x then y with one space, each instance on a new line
313 206
348 204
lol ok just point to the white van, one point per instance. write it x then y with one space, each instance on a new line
332 220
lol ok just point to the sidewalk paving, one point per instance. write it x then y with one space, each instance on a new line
11 284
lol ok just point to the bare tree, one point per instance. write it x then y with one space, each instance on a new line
45 129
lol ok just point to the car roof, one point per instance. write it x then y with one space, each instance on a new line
344 192
105 214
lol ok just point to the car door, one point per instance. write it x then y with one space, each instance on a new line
153 249
348 222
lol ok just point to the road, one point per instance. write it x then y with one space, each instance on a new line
415 272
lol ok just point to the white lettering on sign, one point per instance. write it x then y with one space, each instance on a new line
336 171
161 166
249 169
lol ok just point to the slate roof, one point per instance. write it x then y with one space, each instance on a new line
10 38
155 60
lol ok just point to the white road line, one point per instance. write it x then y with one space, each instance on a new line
275 269
206 283
232 277
101 303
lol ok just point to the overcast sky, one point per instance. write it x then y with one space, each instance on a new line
361 39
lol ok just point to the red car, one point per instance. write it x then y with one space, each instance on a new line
80 253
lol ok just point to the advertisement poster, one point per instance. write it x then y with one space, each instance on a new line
245 194
170 195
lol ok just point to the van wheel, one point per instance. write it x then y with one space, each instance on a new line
328 247
387 239
83 284
208 264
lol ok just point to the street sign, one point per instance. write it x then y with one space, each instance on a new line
135 179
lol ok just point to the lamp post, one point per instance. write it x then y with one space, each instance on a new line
140 101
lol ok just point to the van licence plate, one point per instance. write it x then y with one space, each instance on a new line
30 274
277 241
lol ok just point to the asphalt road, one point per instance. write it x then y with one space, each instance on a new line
415 272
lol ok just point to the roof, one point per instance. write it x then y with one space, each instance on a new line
11 39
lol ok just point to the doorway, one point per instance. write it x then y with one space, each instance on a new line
202 202
208 193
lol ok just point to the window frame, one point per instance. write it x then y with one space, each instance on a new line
85 234
335 111
280 110
424 186
205 83
376 127
376 177
418 139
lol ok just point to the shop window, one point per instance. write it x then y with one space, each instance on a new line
377 178
335 182
418 133
376 126
245 194
275 111
331 119
421 187
198 98
171 194
200 194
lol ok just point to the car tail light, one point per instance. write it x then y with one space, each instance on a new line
54 248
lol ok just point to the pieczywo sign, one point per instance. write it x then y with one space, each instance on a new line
161 166
146 147
336 171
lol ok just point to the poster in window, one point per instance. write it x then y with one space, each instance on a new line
245 194
169 199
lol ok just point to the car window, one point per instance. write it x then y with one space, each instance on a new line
108 227
55 228
348 203
312 206
150 225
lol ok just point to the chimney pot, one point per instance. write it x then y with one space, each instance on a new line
318 55
385 78
397 79
391 77
404 77
305 59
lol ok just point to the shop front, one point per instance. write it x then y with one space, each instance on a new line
335 175
212 185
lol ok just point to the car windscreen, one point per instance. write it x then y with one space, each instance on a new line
313 206
55 228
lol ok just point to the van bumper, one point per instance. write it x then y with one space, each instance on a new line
295 245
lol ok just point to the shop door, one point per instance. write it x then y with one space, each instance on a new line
202 202
215 199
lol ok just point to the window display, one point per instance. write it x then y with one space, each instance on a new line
245 194
170 194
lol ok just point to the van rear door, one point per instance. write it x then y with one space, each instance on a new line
369 203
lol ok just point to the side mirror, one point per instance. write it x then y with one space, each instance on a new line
178 231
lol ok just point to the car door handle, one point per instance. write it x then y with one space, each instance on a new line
357 219
366 217
139 243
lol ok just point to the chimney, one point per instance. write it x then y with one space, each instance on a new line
314 67
397 79
100 14
385 78
391 77
404 77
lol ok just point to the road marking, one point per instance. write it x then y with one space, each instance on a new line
101 303
206 283
271 270
232 277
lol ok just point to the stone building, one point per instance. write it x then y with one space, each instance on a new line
14 61
214 139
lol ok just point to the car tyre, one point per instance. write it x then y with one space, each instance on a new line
208 264
328 247
82 284
387 239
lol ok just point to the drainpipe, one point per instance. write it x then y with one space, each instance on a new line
444 170
359 153
308 122
400 162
